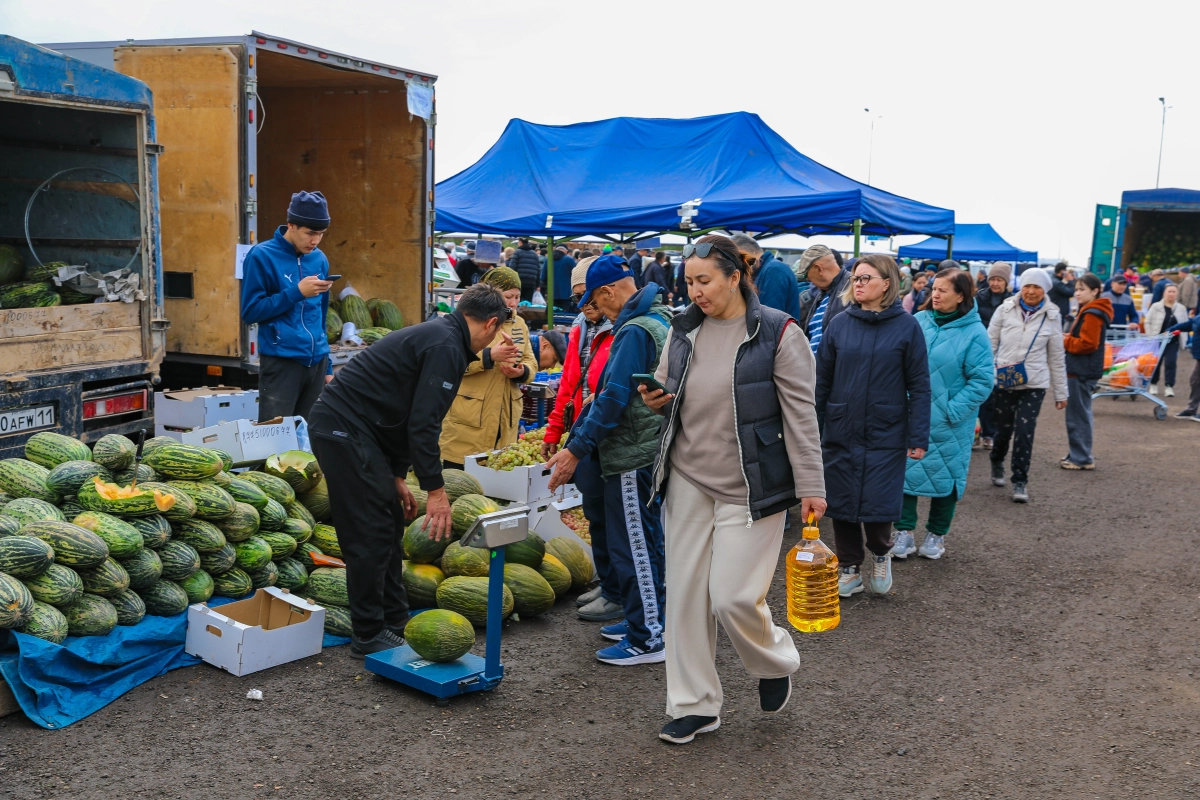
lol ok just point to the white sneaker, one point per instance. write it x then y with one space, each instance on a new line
1169 391
934 546
1154 388
881 574
849 581
905 545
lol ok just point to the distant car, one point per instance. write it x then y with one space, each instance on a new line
460 252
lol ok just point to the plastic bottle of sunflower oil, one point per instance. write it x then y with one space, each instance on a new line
812 584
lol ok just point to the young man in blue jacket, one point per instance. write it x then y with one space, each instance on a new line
285 290
775 281
613 444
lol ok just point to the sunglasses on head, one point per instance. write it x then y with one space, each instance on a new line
700 250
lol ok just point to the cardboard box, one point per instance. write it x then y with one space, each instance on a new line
521 485
271 628
177 412
545 519
246 441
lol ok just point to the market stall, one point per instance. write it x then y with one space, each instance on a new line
972 242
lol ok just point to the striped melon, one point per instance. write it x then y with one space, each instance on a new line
316 500
421 582
155 530
46 622
183 507
106 579
304 553
469 597
333 325
123 539
264 576
212 502
292 574
272 516
199 587
556 574
158 441
25 556
298 529
459 483
144 569
203 536
337 621
219 562
51 449
252 554
131 501
179 561
29 509
385 314
22 478
280 543
327 586
16 603
164 599
241 524
143 472
69 476
297 467
130 608
114 452
275 488
574 558
29 294
74 547
296 510
58 586
325 537
9 526
354 309
184 462
245 491
234 583
90 615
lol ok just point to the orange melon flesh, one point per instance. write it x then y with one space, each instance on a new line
165 502
110 491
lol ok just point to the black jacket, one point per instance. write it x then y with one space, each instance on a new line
988 301
655 273
399 390
636 262
527 264
468 272
1061 293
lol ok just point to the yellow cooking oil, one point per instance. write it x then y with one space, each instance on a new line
812 584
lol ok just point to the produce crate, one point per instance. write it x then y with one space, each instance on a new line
521 485
545 520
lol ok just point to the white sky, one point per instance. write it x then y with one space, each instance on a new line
1021 114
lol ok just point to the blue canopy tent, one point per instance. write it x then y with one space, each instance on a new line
654 176
971 243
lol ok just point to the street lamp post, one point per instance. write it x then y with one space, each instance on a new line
871 147
1161 135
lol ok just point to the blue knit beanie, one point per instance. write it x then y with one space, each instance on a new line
310 210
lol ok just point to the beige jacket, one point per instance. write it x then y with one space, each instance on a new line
1012 335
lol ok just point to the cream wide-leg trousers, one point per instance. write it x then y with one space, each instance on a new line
718 569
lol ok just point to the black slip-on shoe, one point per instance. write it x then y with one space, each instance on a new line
773 693
684 729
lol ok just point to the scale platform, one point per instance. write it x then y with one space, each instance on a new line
403 665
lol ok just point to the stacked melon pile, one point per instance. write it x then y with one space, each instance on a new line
32 285
374 318
82 550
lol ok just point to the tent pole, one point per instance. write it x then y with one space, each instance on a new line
857 238
950 246
549 282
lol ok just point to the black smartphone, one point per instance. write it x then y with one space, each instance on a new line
332 278
647 380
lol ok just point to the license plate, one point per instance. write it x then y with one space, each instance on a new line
26 419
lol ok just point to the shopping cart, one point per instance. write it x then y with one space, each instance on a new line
1129 361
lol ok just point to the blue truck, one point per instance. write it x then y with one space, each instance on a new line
1151 228
79 185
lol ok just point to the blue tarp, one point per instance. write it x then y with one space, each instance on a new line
633 174
971 243
1161 198
57 685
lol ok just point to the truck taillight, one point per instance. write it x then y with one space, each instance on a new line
117 404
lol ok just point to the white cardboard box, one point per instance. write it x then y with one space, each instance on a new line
248 442
176 412
545 519
273 627
521 485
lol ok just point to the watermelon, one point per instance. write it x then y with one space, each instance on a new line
292 574
316 500
22 478
58 586
373 334
74 547
247 492
219 562
179 561
276 488
532 595
12 264
354 309
304 553
106 579
272 516
184 506
421 497
337 621
199 587
263 577
469 561
419 545
574 558
280 543
28 509
130 608
164 599
114 452
459 483
241 524
16 603
203 536
528 552
46 622
420 583
297 467
296 510
155 530
144 569
325 537
327 586
469 597
9 526
69 476
466 509
212 502
25 556
234 583
29 294
158 441
43 272
70 297
90 615
556 574
146 498
123 539
252 554
184 462
298 529
440 635
333 325
143 472
51 449
387 315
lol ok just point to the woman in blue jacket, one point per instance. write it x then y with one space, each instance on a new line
873 404
961 375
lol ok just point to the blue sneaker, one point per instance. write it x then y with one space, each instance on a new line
617 631
624 654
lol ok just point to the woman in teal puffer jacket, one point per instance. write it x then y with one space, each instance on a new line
961 374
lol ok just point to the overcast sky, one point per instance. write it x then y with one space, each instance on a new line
1021 114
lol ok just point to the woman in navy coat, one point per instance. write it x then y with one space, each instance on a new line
873 404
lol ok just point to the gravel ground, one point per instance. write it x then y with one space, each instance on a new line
1050 654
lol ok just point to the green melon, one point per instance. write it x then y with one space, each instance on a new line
325 537
529 552
297 511
459 483
198 587
179 561
226 458
12 264
440 635
29 294
155 530
387 315
337 621
219 562
469 597
43 272
184 506
46 622
556 574
297 467
298 529
292 574
280 543
105 579
74 547
144 569
466 509
123 539
158 441
304 553
212 502
164 599
57 586
532 595
373 334
143 472
574 558
25 556
241 524
203 536
316 500
420 546
222 479
272 516
184 462
69 476
148 498
275 488
467 561
327 586
16 603
354 309
90 615
130 608
114 452
51 449
264 576
29 509
22 478
9 526
252 554
234 583
333 325
420 583
247 492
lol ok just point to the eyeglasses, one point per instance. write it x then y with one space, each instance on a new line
701 250
863 280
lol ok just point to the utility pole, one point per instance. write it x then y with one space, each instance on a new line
1161 135
871 147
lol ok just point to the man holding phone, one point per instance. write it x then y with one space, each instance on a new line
285 290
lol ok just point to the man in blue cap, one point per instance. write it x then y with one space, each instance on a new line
285 290
611 450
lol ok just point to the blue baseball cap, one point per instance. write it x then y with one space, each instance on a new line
602 272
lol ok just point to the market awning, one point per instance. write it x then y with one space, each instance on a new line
637 175
971 243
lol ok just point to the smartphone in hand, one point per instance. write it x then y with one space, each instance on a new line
648 380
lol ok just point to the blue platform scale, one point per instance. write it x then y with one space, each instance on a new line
470 673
